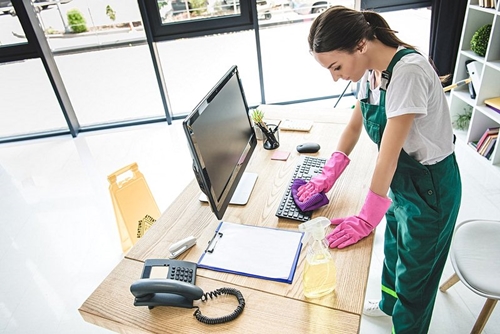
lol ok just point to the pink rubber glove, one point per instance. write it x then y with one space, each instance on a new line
352 229
324 182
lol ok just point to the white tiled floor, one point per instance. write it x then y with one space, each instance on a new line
58 237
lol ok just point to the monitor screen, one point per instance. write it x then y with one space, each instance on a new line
221 140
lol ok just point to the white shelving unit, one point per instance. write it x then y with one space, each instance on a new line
482 116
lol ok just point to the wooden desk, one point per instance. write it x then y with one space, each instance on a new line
270 305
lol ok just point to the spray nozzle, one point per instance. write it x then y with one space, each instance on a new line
315 227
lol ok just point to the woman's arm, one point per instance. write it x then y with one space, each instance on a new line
395 134
354 228
336 164
351 132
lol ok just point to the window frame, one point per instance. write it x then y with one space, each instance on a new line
23 50
393 5
195 28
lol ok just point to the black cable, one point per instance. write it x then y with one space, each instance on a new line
220 320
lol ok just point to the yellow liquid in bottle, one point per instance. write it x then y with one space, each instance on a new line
319 276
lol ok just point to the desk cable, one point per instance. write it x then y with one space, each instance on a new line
220 320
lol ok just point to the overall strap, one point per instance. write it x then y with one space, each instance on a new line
386 75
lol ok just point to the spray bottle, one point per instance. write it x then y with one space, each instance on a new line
319 271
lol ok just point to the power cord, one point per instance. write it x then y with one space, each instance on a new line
220 320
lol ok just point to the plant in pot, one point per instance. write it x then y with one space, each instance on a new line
462 120
267 133
258 118
480 39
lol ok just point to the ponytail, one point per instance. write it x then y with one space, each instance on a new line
382 31
342 29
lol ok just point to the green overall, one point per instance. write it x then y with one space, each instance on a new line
420 224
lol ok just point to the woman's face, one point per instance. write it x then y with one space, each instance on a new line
343 65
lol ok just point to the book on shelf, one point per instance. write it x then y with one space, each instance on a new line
493 103
488 132
491 149
486 3
486 145
473 144
481 149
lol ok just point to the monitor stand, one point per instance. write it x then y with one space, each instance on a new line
242 191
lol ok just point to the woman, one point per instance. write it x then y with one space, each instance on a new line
416 181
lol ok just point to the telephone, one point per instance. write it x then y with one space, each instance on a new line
166 282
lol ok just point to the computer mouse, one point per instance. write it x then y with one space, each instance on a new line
308 148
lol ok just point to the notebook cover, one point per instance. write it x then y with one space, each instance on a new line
493 103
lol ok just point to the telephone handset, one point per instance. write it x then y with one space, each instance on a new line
166 283
164 292
171 283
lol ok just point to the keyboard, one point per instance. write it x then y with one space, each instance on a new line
296 125
306 168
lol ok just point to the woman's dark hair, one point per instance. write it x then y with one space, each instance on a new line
342 29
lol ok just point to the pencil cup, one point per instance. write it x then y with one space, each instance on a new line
271 137
258 132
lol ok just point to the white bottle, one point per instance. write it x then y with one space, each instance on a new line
320 276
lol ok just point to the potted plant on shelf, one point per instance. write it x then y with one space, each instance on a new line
480 39
462 120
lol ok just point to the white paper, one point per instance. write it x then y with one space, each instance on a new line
255 251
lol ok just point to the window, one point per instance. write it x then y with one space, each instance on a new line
175 19
392 5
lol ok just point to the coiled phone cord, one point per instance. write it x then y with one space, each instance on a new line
220 320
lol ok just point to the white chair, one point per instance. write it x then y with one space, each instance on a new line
475 256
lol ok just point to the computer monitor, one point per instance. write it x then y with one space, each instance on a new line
221 140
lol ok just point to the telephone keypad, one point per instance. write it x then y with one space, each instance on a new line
181 274
183 271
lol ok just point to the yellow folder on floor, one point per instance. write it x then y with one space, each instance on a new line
133 203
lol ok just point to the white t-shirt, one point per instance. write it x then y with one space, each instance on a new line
416 89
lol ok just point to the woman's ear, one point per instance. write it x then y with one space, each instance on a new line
362 46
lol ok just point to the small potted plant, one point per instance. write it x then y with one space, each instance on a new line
258 121
462 120
480 39
268 133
